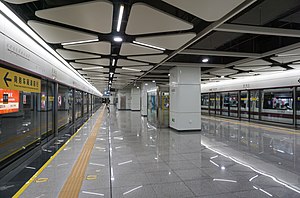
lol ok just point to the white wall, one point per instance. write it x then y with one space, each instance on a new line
135 99
127 94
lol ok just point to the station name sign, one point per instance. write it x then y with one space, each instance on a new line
16 81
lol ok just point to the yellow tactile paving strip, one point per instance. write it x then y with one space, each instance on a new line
73 184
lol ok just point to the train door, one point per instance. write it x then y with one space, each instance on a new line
244 104
212 103
225 103
233 104
254 104
218 103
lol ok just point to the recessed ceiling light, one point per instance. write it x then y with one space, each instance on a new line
138 87
205 60
146 84
118 39
169 74
153 81
222 76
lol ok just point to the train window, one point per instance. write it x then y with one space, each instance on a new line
277 105
225 103
204 103
212 101
64 106
78 104
85 103
233 103
218 103
254 104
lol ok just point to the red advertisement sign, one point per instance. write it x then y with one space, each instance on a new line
9 101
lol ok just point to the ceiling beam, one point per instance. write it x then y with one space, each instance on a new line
249 29
218 53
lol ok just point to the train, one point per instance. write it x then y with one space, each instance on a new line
42 98
268 98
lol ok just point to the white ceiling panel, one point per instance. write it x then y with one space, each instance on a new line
19 1
224 72
96 47
171 42
70 55
253 68
293 52
258 62
276 68
295 65
133 49
209 10
149 58
93 15
97 61
56 34
124 62
144 19
286 59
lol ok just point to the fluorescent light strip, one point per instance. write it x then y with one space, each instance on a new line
80 42
92 68
131 69
38 40
148 45
120 18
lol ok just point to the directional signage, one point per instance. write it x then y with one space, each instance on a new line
17 81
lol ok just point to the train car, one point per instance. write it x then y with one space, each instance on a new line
42 97
273 98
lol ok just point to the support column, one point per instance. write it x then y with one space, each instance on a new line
185 98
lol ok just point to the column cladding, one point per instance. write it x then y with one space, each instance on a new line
185 98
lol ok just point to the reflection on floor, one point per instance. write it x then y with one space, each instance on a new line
132 158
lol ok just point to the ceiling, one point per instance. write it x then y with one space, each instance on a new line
239 38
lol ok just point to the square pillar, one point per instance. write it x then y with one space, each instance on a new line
185 98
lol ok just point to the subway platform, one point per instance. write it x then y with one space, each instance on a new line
120 154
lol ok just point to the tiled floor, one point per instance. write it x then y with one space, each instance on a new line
132 158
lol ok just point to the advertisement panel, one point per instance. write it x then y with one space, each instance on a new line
9 101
